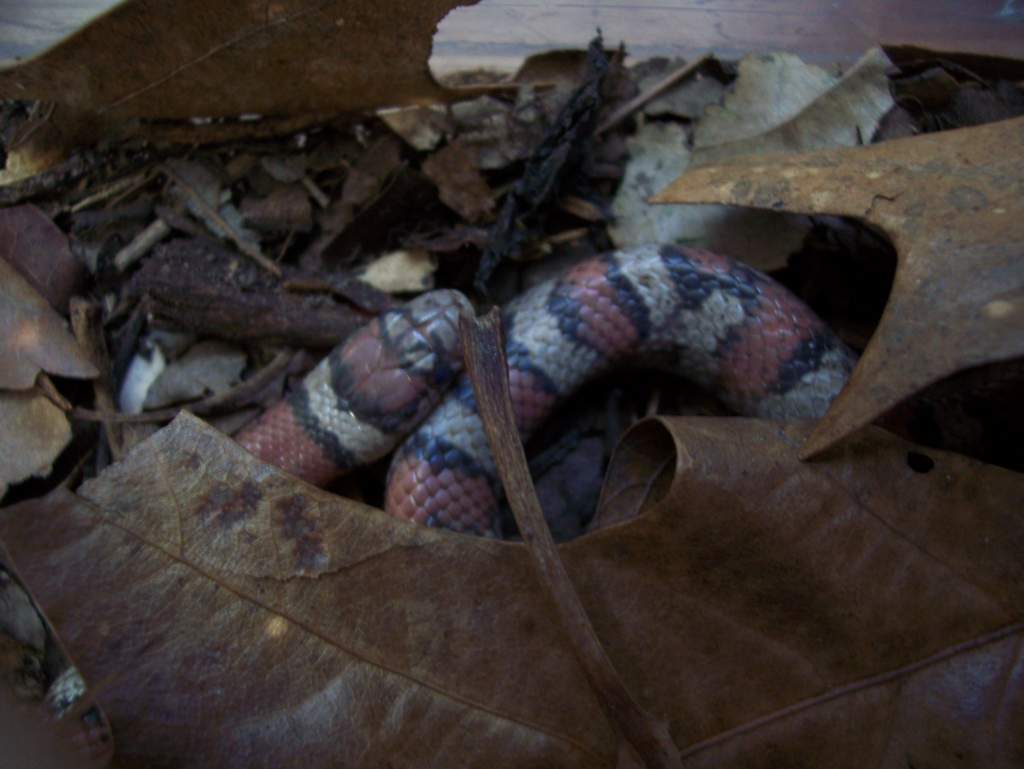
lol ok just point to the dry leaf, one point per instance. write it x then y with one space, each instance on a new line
198 188
33 336
284 608
286 169
33 433
31 739
844 115
501 133
47 719
953 205
837 613
43 143
209 367
769 90
422 128
33 244
688 99
285 209
401 271
658 154
778 104
890 566
224 58
366 182
455 170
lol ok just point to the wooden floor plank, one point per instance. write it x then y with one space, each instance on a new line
501 33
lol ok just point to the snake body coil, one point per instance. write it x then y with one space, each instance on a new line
715 321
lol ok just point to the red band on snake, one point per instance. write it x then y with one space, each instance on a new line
708 318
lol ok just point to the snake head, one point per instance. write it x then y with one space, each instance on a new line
392 372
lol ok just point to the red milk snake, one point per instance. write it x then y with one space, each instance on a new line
711 319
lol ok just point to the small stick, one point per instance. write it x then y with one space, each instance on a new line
582 209
251 250
488 370
318 195
49 389
122 186
651 93
141 243
87 324
566 236
236 396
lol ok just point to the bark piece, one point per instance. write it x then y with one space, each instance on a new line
203 288
285 209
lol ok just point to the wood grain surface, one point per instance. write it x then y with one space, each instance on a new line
499 33
502 32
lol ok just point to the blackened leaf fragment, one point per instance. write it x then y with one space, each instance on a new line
552 163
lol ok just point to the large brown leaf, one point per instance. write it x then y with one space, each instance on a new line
845 613
953 205
224 57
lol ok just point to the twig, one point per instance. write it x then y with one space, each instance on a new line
249 249
283 250
239 395
141 243
34 123
566 236
582 209
60 177
488 370
87 326
49 389
651 93
123 185
318 195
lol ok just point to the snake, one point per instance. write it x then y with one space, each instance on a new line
397 383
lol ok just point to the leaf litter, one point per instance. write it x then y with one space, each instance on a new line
748 603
